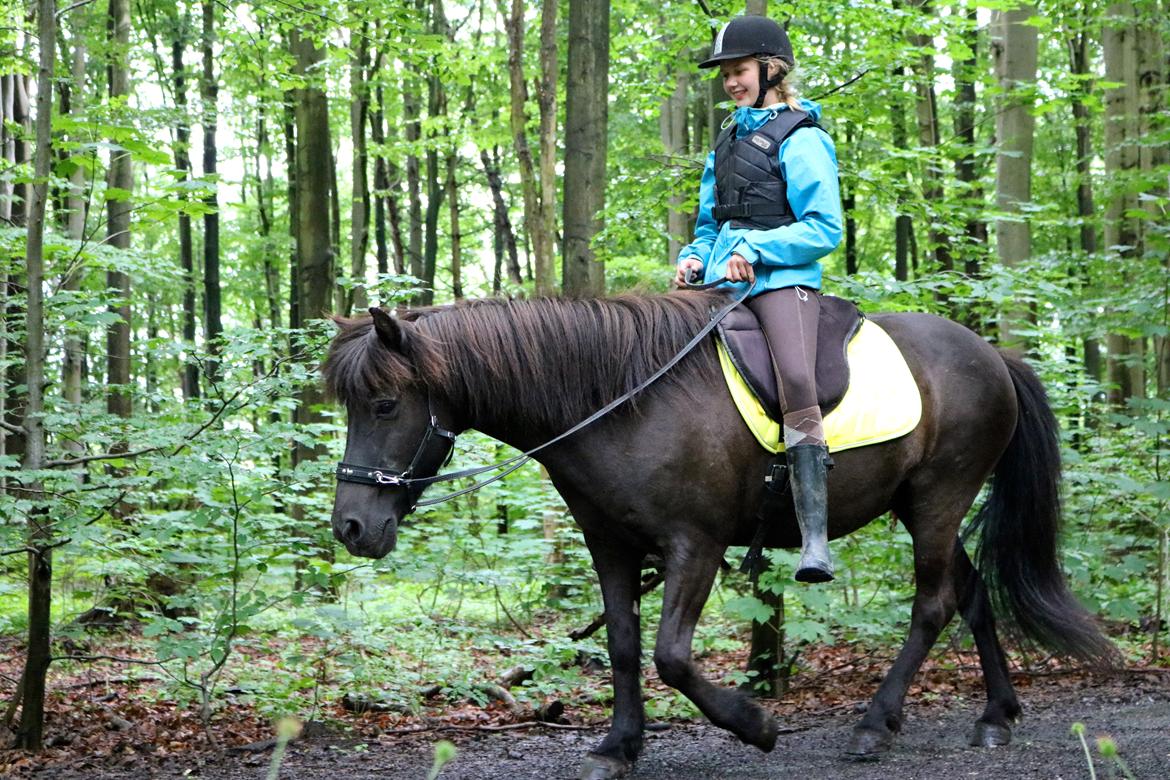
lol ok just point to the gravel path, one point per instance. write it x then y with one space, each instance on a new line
1133 709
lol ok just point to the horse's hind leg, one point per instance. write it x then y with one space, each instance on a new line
994 725
690 572
618 568
935 601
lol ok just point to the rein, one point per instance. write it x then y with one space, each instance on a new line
388 477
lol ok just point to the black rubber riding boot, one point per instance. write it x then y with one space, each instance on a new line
808 468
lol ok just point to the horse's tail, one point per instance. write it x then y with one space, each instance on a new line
1018 528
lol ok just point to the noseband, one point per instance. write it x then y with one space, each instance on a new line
386 477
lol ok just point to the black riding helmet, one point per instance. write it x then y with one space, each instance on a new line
752 36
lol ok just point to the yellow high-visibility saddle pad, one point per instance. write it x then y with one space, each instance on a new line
882 402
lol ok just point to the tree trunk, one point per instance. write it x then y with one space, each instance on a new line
314 280
29 733
7 141
381 189
456 235
5 386
1154 159
359 107
903 222
533 222
20 115
120 178
1125 364
547 100
335 228
392 205
966 99
436 107
767 659
149 359
186 250
313 179
1086 209
926 111
265 193
586 120
290 165
75 208
410 116
1014 46
209 90
673 131
502 224
849 206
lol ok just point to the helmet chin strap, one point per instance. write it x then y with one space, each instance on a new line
765 83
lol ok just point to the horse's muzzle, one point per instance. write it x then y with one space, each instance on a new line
366 520
366 540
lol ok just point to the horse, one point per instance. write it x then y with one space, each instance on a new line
675 473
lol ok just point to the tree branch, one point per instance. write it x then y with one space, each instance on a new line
38 551
223 407
68 462
74 7
116 659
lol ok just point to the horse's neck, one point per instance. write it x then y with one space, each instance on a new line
507 422
510 380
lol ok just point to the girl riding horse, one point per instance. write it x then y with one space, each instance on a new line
769 210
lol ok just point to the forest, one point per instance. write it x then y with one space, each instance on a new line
190 189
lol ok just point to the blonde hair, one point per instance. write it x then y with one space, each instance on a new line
789 94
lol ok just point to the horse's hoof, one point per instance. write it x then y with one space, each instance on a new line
990 735
597 767
868 744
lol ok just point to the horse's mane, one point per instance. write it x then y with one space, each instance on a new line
547 361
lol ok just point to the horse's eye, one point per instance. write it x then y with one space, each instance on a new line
385 407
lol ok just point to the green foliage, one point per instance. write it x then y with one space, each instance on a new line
1107 749
204 533
445 753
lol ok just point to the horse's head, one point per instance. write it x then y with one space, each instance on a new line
393 431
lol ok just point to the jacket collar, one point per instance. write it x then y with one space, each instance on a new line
749 120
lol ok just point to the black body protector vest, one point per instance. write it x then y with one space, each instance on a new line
749 186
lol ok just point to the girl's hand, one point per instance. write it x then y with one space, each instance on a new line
740 270
685 266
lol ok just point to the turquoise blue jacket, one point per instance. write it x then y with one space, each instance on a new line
789 255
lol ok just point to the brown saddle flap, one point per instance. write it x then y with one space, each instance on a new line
748 350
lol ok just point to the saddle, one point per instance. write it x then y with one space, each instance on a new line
748 350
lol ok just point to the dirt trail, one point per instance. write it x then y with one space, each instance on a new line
1134 709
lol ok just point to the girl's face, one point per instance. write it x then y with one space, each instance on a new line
741 80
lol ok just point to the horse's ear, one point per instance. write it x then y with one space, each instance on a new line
390 332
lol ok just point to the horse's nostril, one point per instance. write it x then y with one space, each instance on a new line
351 531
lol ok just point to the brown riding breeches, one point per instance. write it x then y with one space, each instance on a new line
788 318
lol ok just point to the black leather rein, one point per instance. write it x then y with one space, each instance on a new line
384 477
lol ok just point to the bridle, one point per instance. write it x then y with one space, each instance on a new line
383 477
387 477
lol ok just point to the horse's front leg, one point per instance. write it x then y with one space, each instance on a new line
690 571
618 568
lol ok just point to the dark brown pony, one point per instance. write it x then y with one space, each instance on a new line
677 474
